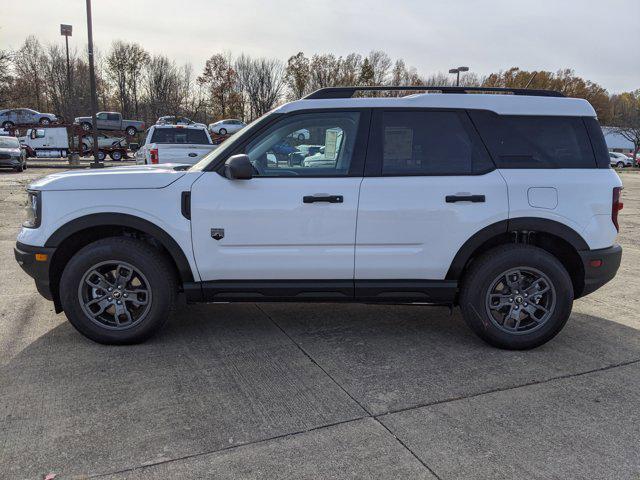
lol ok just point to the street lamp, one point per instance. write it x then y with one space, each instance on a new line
66 31
457 73
94 98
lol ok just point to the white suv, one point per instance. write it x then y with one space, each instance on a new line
504 204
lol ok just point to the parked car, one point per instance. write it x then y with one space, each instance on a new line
103 141
302 134
174 144
111 121
469 200
24 116
173 120
225 127
620 160
12 154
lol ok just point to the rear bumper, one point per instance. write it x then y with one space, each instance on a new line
596 276
38 270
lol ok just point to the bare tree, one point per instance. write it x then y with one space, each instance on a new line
221 80
626 117
28 63
298 75
262 81
124 65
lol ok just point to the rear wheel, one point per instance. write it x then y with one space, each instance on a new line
86 126
620 164
301 136
116 155
516 297
131 131
45 121
101 155
222 131
117 290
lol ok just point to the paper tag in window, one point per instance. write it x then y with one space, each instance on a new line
398 143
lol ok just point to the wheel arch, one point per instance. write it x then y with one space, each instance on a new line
557 238
81 231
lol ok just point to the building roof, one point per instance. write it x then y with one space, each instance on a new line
499 103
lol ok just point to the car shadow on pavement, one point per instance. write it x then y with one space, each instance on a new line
224 375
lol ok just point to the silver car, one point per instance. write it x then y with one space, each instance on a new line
12 155
225 127
24 116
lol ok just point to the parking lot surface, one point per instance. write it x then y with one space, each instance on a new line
318 391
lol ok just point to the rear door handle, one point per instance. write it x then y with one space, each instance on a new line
321 198
464 198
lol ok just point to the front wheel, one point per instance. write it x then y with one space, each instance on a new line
45 121
117 290
516 297
222 131
620 164
131 131
86 126
116 155
301 136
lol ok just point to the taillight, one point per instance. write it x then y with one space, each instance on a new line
616 206
154 155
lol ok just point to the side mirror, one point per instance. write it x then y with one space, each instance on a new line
238 167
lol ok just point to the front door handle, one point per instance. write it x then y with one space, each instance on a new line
464 198
323 198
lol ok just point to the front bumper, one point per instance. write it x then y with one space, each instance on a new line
10 162
600 266
37 269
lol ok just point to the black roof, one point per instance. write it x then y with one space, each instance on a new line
348 92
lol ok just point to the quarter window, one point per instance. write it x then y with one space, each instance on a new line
430 143
519 141
278 153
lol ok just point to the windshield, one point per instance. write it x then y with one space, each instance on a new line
226 147
9 142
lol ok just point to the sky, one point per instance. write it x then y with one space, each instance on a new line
600 40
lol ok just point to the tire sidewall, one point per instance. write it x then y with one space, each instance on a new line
496 262
129 251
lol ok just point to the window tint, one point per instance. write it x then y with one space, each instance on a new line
113 116
598 142
535 141
179 135
276 154
429 143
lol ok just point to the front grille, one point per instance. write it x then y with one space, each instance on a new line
5 156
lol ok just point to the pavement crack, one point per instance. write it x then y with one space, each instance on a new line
357 402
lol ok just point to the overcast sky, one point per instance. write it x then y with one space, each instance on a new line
599 39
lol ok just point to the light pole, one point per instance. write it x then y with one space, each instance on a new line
66 31
94 98
457 72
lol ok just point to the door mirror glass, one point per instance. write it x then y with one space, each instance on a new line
39 133
238 167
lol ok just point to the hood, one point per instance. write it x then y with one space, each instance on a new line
10 150
116 178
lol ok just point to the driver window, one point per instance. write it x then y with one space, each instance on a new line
309 144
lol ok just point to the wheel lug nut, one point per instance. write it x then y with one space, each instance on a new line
119 302
526 304
109 298
110 289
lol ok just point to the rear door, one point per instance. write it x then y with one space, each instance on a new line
429 186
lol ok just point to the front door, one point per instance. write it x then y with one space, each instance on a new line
430 186
296 218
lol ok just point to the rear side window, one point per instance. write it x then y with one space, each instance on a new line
527 141
423 142
180 135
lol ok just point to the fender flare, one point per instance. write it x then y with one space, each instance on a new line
125 220
531 224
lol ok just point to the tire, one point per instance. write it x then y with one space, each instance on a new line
101 155
85 149
152 273
44 121
6 125
86 126
19 168
116 155
301 137
222 131
483 278
620 164
131 131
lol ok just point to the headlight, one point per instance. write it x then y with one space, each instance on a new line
33 209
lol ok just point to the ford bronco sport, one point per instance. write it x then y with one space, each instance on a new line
499 201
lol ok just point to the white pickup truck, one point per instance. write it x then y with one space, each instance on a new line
185 144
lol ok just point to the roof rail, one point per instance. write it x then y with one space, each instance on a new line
348 92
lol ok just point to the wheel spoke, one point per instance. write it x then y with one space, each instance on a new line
513 279
103 303
121 310
97 280
498 301
123 275
133 296
538 287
